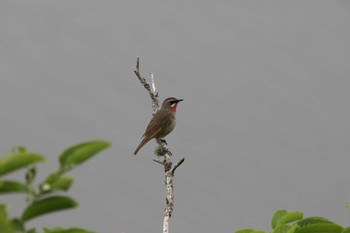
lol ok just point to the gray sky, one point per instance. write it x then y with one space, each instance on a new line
264 124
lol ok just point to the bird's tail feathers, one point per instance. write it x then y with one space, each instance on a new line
142 143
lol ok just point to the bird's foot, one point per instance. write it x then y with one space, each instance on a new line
163 147
163 141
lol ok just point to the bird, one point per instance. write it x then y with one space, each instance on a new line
162 123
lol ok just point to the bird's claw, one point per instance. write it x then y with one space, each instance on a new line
163 141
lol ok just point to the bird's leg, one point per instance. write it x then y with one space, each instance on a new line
163 141
163 144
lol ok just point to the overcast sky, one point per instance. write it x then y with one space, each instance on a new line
264 124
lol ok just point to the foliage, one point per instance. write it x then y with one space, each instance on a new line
46 198
294 222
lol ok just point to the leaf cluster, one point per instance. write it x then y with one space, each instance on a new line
294 222
47 196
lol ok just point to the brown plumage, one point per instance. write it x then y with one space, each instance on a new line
162 123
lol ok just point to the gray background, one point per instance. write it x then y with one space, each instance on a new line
264 124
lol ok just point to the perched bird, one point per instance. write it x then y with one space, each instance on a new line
162 123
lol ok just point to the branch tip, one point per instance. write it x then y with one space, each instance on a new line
137 63
177 165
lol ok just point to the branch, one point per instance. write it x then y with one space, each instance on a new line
177 165
147 86
162 150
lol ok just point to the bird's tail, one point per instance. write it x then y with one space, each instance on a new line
142 143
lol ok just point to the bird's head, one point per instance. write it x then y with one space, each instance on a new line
171 103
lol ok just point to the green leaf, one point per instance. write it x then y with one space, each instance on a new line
52 178
248 230
5 224
7 186
78 154
33 230
46 186
17 225
276 217
18 160
61 183
290 217
346 230
312 220
281 229
294 228
48 205
321 227
70 230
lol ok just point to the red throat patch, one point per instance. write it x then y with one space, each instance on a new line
174 108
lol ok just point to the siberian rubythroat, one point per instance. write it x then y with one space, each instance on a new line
162 123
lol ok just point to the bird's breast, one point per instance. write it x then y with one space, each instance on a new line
166 130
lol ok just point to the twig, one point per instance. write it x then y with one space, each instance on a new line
153 84
169 169
177 165
153 94
157 161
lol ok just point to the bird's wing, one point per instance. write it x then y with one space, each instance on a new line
155 125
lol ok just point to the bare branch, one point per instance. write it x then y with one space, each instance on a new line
177 165
147 86
138 64
157 161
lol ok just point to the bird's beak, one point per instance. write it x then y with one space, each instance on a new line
179 100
